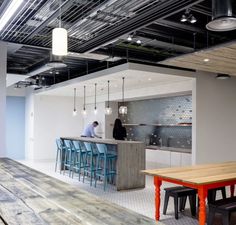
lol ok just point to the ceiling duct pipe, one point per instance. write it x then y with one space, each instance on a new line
222 16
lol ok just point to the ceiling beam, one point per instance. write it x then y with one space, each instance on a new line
160 11
65 6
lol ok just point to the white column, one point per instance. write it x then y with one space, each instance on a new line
215 119
3 72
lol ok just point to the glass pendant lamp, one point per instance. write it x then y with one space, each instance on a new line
59 38
123 109
108 109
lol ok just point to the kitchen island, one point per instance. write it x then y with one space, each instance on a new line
130 160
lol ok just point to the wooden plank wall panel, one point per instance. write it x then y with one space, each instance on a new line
222 60
131 160
41 199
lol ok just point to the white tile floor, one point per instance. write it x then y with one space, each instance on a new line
141 201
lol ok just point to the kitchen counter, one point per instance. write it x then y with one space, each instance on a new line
172 149
131 159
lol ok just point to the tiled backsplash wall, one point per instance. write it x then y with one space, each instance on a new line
163 121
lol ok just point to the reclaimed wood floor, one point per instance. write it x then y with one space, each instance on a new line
31 197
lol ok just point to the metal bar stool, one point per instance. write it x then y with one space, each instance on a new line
79 157
106 164
90 165
68 159
59 155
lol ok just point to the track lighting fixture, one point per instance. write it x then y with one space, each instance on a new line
129 38
139 41
188 17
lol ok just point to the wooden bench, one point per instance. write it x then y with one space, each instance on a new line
224 207
33 198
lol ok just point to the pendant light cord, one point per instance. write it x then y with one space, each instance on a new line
59 13
84 95
108 94
95 105
123 89
74 99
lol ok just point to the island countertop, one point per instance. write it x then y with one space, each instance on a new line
103 141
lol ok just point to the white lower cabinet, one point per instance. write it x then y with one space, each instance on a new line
160 158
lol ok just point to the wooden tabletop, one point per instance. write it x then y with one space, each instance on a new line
29 197
200 174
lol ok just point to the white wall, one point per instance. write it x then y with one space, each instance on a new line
29 124
100 117
50 118
215 119
3 72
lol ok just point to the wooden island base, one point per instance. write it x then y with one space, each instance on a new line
29 197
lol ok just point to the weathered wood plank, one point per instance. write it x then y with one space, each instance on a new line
55 202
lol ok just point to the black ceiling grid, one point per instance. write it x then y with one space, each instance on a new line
102 27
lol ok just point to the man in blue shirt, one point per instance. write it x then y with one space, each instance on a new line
89 130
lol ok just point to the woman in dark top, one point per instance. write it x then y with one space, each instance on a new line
119 132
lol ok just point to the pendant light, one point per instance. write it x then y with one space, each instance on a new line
59 38
95 99
74 110
123 109
84 109
108 109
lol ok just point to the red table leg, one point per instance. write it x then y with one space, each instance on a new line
157 183
232 190
202 194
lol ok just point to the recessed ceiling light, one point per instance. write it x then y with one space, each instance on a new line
206 60
138 41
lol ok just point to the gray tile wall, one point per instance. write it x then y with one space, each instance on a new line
169 112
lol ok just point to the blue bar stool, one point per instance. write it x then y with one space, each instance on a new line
60 154
90 166
79 157
68 159
106 165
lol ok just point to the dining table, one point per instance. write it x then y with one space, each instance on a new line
201 177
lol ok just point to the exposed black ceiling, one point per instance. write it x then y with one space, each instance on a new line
102 27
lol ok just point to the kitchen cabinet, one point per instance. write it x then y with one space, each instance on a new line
167 158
